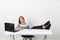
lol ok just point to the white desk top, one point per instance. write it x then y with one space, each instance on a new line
30 32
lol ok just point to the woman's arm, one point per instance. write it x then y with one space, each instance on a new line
18 27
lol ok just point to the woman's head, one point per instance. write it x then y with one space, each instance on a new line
21 20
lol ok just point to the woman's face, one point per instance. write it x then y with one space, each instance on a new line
21 20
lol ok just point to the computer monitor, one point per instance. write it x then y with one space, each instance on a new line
9 27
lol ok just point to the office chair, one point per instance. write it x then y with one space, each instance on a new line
25 37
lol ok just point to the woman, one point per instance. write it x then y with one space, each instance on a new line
23 25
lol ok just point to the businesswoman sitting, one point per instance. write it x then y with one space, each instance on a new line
23 25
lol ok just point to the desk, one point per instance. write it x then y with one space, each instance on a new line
30 32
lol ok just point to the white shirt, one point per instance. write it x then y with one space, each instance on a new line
24 26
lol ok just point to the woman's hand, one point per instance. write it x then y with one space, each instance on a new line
19 28
43 26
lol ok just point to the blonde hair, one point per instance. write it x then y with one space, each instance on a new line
19 19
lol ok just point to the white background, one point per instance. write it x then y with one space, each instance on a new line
36 12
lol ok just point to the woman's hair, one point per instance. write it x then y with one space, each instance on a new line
19 19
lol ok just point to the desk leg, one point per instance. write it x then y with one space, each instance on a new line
45 37
12 37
